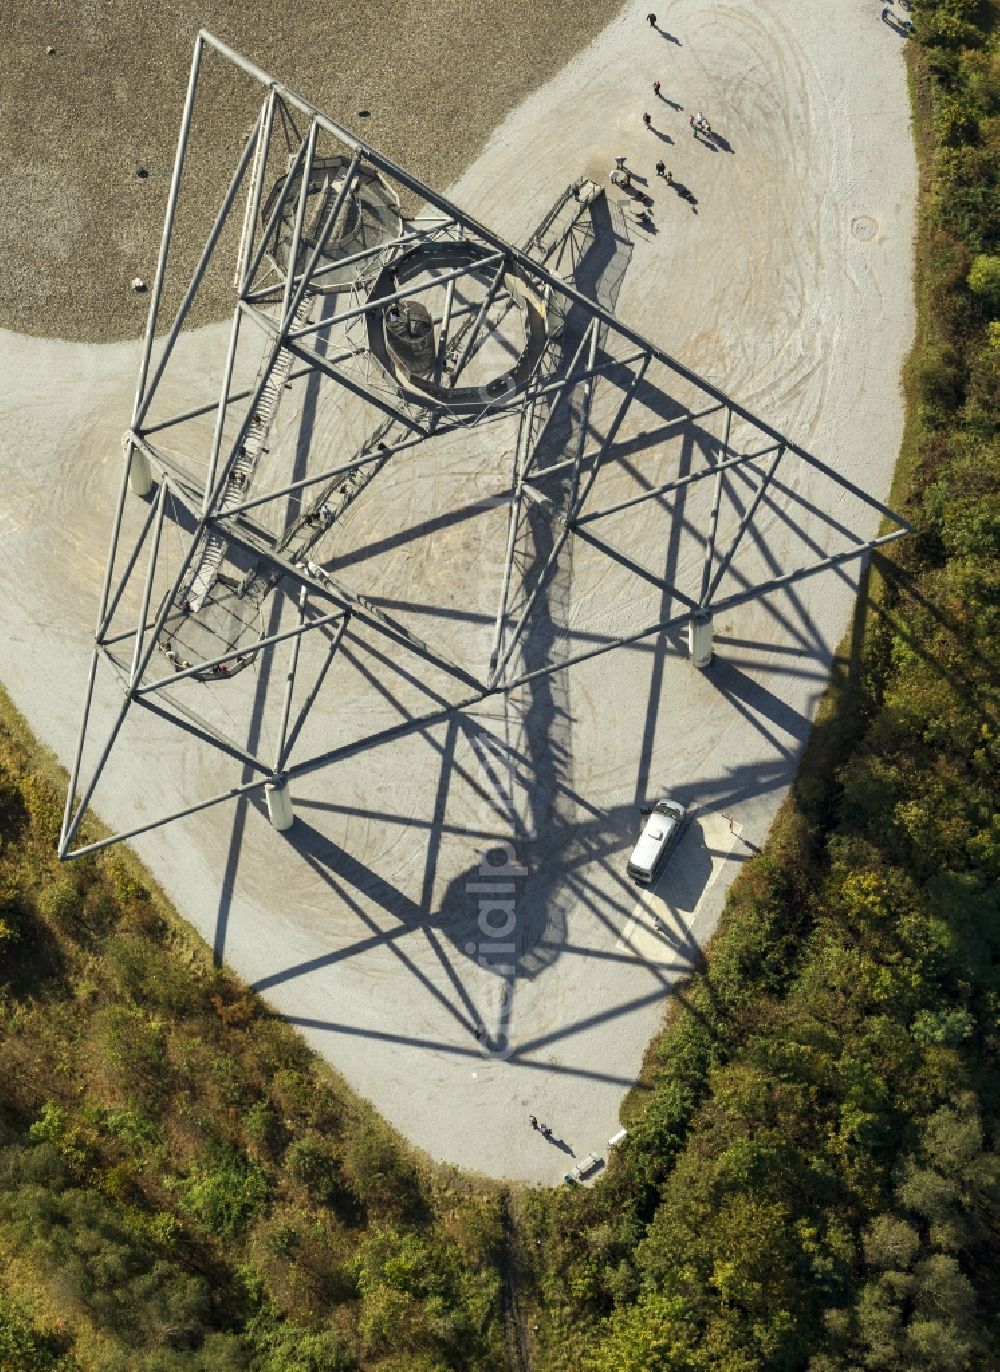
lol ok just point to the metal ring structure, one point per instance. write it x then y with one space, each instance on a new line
540 324
370 216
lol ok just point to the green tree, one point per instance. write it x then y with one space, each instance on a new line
656 1334
984 279
890 1242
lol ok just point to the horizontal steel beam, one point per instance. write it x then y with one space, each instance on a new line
425 722
677 484
717 608
267 642
689 417
379 302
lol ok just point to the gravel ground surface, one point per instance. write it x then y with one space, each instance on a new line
91 92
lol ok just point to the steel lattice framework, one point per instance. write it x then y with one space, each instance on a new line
340 285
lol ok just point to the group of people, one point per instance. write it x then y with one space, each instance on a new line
182 664
543 1129
621 176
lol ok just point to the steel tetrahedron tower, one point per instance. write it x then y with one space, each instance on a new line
419 345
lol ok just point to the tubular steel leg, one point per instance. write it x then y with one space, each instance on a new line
713 520
194 283
286 704
240 279
110 605
74 776
588 397
137 675
147 589
168 226
272 227
744 525
300 213
103 618
220 416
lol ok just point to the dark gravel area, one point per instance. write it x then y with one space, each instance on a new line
77 221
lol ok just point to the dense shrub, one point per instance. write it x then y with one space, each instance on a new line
226 1193
23 1348
110 1273
179 1176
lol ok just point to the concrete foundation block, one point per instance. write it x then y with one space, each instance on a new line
140 474
700 640
279 805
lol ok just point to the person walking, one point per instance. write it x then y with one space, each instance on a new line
656 89
647 119
533 1121
545 1131
651 20
661 168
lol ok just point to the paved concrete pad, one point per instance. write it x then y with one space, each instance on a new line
369 924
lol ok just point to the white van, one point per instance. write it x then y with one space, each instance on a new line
663 829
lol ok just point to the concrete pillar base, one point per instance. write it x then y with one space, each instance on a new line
140 474
279 805
700 640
